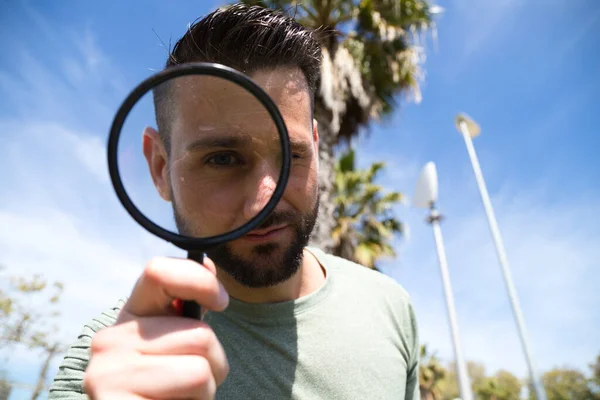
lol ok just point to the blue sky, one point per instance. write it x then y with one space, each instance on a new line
527 71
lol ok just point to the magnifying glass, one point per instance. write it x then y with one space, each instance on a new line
199 155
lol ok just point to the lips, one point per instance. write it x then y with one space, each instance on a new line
266 231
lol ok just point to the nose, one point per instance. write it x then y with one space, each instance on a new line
260 188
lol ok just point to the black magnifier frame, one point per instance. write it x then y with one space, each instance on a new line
211 69
196 246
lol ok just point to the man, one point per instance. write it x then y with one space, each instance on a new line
282 320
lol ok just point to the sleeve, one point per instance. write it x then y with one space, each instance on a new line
413 391
68 382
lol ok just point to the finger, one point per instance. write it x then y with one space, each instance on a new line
154 377
165 336
174 377
167 278
114 395
210 265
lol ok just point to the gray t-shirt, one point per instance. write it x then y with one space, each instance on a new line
354 338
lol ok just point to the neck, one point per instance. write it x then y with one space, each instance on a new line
309 278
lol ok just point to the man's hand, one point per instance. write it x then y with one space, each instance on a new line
151 352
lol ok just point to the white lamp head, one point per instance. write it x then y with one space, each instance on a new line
426 191
471 125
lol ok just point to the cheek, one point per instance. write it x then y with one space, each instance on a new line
207 212
191 197
302 187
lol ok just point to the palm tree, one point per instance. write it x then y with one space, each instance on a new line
371 55
431 373
364 222
502 386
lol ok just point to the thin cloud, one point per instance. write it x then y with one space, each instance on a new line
54 143
91 63
73 86
480 21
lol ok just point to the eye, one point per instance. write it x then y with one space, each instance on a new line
223 159
298 156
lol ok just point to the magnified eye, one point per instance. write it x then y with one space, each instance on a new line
223 160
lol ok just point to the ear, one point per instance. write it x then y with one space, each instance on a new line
158 162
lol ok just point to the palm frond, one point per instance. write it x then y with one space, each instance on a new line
365 224
372 52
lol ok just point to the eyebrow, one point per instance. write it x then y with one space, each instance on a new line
301 147
220 141
232 142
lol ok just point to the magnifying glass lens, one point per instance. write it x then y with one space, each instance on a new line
200 156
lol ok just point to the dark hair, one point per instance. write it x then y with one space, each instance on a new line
247 38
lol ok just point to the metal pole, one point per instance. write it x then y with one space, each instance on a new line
461 368
512 293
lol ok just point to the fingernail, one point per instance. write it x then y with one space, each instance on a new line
223 296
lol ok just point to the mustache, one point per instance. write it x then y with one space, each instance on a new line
279 218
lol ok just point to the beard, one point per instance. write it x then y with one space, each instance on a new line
270 264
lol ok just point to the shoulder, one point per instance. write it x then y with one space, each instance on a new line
378 296
68 381
362 280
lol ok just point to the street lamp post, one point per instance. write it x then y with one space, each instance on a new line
469 129
426 197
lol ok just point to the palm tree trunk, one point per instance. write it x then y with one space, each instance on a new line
321 236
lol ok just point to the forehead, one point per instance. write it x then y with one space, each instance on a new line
203 104
288 89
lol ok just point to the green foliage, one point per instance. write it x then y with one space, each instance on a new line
431 374
389 62
502 386
5 386
595 378
565 384
449 384
27 311
365 223
510 384
379 36
27 307
437 382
